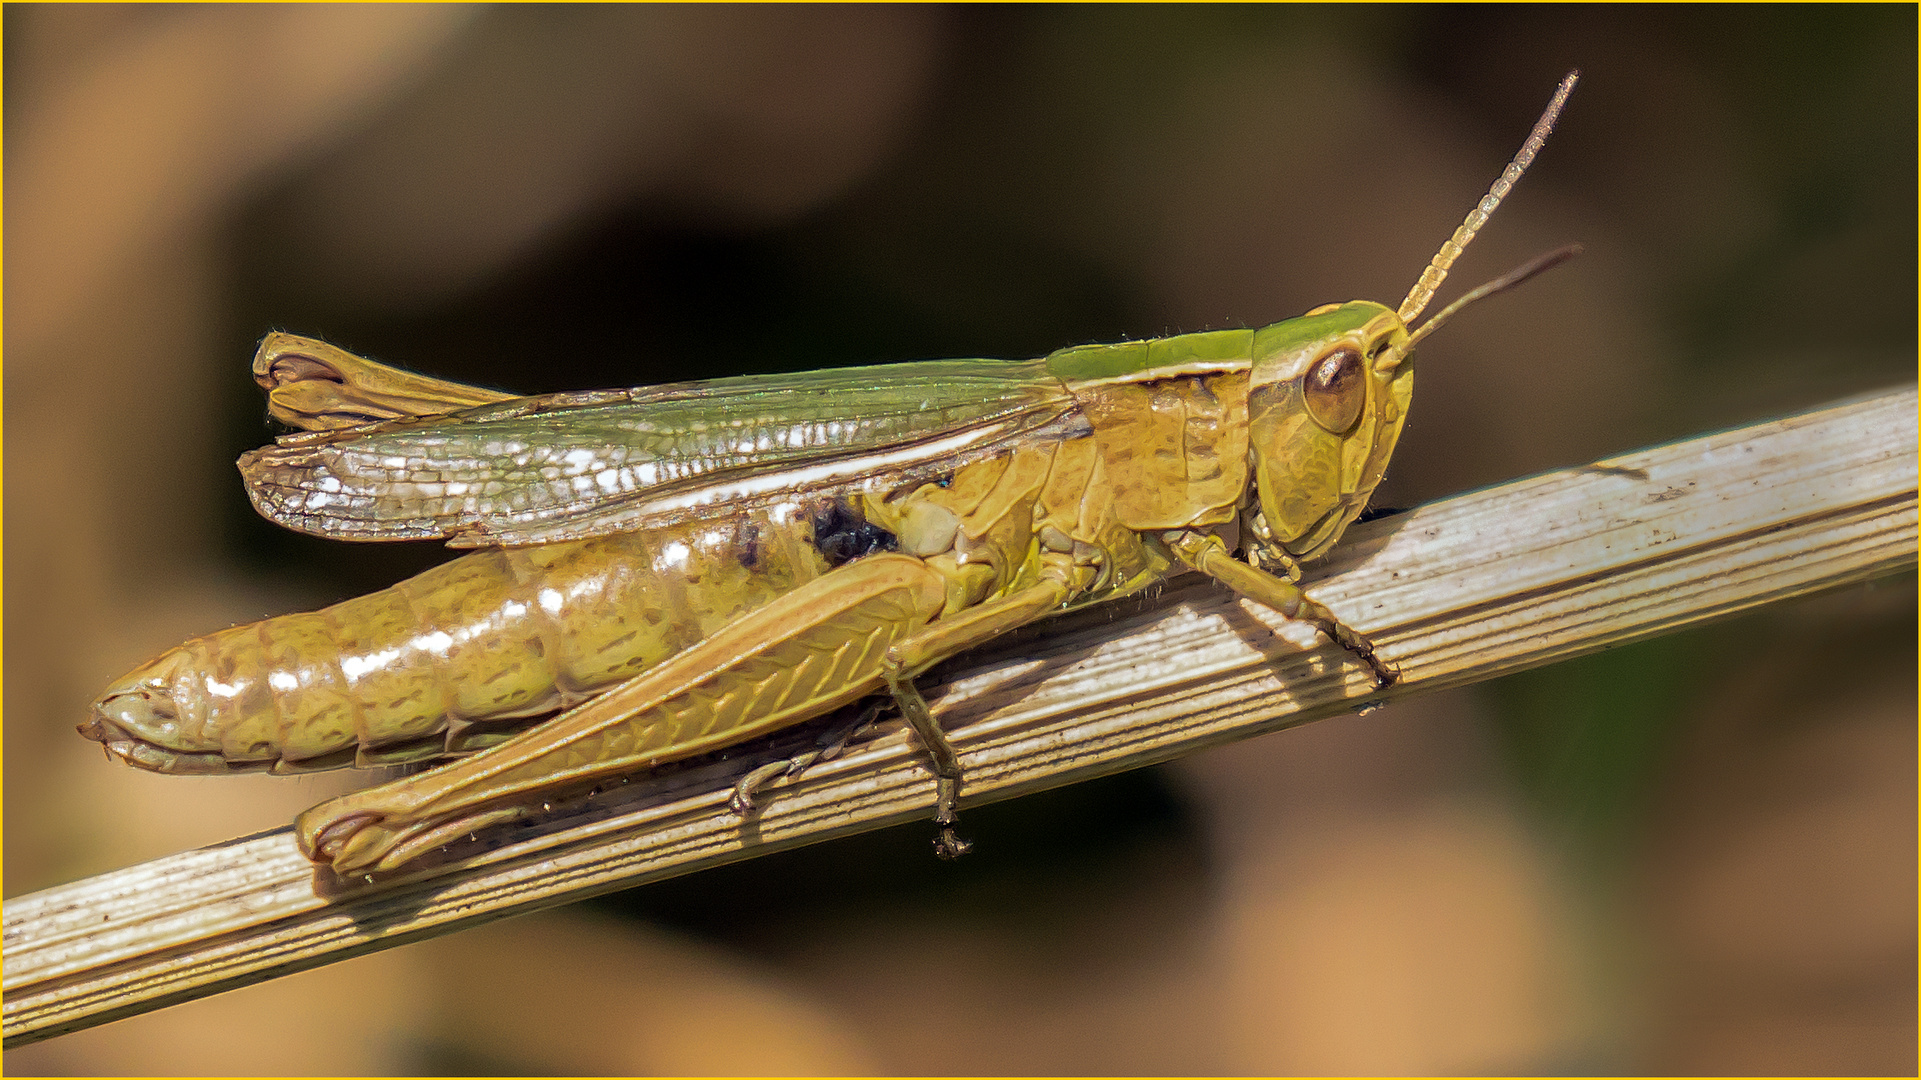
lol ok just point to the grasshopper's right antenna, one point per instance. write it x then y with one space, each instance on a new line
1436 271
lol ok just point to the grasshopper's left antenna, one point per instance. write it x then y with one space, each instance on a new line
1436 271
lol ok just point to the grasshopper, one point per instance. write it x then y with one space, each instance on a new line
666 571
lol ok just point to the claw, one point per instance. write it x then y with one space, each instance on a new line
950 846
741 802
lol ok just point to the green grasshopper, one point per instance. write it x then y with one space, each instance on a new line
667 571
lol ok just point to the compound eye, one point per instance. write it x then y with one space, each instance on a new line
1335 389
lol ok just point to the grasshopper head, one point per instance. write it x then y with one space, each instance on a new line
1326 400
1329 391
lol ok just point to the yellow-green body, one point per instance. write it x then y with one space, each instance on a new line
471 652
1144 440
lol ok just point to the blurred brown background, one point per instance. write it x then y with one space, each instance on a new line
1692 855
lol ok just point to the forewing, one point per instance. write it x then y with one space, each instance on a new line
566 466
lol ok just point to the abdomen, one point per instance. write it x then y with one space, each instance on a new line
467 653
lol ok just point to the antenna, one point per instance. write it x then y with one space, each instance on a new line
1537 265
1436 271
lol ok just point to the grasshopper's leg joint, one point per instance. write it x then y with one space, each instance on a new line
1208 555
947 769
954 634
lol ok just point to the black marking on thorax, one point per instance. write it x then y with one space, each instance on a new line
842 533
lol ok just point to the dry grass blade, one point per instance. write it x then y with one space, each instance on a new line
1460 590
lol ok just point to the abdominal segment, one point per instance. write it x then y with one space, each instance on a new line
469 653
